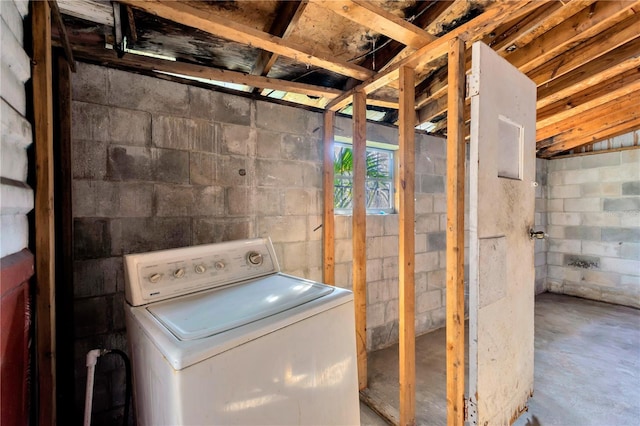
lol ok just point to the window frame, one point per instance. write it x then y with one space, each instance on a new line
371 146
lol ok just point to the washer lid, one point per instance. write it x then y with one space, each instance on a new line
212 312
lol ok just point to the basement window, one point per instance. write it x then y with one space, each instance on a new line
379 195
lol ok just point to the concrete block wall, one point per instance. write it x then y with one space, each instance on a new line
158 164
593 214
541 246
382 245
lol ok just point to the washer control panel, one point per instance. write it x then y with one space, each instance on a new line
170 273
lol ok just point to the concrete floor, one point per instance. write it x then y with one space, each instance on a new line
587 368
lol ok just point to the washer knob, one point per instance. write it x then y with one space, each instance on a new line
179 273
219 265
254 258
154 278
200 268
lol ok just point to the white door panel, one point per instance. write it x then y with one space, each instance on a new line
501 257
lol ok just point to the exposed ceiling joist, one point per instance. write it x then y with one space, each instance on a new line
379 20
209 22
92 11
198 71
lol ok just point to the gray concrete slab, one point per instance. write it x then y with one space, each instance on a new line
587 368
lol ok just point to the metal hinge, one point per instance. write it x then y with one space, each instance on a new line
473 85
470 411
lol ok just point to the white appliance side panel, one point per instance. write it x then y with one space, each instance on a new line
303 374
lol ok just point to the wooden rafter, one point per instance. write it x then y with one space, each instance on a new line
209 22
152 64
379 20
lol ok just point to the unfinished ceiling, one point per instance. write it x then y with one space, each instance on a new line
583 55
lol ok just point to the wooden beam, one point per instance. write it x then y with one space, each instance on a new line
605 97
597 91
379 20
109 57
605 67
211 23
406 250
595 47
593 117
470 32
53 4
455 234
44 208
287 17
598 135
586 24
89 10
328 220
359 233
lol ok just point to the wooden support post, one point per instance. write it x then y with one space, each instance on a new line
328 222
455 234
44 223
406 252
360 232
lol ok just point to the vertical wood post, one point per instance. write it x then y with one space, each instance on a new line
406 260
44 218
328 221
455 234
359 234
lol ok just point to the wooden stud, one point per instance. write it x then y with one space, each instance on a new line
53 4
359 232
406 251
328 221
455 235
44 218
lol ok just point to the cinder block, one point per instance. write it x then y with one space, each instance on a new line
565 164
301 148
389 245
344 277
391 223
609 279
622 204
429 301
137 235
604 219
271 116
234 171
630 251
431 184
631 235
428 223
295 257
621 266
91 316
170 165
208 201
299 201
556 205
621 297
598 248
89 121
436 241
97 277
582 289
312 175
424 164
597 189
379 132
117 313
554 258
91 238
282 228
208 230
582 205
183 133
279 173
238 140
268 144
232 109
343 251
440 203
89 83
565 191
375 225
565 246
421 243
564 274
629 219
391 311
421 282
130 163
580 176
630 156
581 261
374 248
437 279
566 219
375 315
423 203
622 173
582 233
202 168
601 160
173 200
200 102
631 188
145 93
555 231
129 127
426 262
374 270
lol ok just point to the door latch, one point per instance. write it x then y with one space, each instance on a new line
537 234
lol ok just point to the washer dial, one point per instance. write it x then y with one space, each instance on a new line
254 258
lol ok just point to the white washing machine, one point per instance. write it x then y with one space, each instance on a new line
219 336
